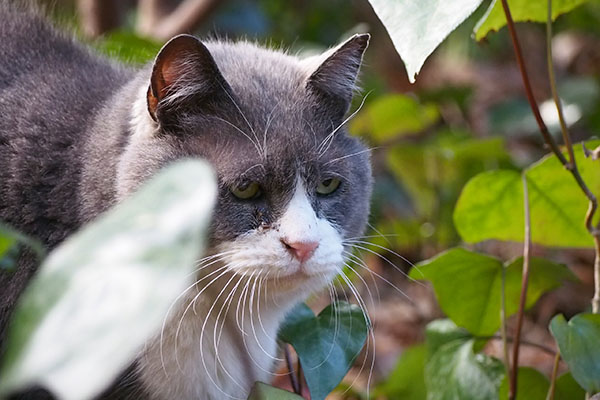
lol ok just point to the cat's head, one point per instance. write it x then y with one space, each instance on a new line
293 185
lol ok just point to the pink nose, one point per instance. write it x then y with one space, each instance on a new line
302 251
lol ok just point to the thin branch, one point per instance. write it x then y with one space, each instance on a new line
186 17
525 281
511 339
596 299
503 333
290 366
525 77
552 388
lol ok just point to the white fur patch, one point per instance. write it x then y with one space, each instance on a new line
142 124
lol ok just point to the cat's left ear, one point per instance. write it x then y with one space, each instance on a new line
337 70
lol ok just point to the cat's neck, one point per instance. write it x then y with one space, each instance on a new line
217 340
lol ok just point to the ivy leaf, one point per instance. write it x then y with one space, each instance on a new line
521 10
102 293
579 344
531 385
488 207
476 306
454 372
262 391
327 345
418 27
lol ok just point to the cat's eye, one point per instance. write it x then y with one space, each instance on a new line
328 186
246 191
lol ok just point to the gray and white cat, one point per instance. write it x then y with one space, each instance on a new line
78 133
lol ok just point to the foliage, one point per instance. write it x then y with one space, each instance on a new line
262 391
486 207
578 344
327 344
476 306
125 269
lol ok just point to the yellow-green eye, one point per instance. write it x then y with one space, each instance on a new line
328 186
245 191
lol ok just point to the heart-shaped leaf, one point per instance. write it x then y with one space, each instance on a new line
521 10
262 391
101 294
418 27
488 207
453 371
468 286
327 344
579 344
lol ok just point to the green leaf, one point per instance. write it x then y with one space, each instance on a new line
531 385
418 27
455 372
521 10
102 293
579 344
128 47
327 345
392 116
262 391
468 286
407 380
488 207
568 389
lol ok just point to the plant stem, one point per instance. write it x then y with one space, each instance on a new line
512 394
528 91
293 378
596 299
552 388
525 342
503 333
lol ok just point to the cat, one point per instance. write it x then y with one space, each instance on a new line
79 133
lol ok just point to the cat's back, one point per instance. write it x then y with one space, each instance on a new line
51 89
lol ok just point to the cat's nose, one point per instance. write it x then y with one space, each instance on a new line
302 251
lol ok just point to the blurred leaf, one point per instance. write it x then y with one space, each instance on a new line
103 292
487 207
262 391
418 27
441 331
128 47
327 345
531 385
476 305
443 164
455 372
521 10
579 344
407 380
568 389
392 116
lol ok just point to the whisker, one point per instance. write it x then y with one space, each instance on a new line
352 155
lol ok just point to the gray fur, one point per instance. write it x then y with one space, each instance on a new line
67 151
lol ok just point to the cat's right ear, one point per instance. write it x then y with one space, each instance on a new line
184 71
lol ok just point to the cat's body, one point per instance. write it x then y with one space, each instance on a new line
79 133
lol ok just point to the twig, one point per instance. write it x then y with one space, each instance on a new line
503 333
552 388
186 17
290 366
510 339
512 394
